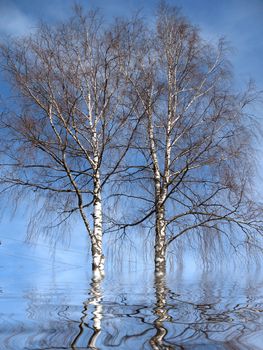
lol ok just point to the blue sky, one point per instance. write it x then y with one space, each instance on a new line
240 21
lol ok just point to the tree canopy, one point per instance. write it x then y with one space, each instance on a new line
145 113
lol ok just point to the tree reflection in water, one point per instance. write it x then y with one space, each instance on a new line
211 312
161 312
96 301
184 324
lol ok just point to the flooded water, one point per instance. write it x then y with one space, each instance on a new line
50 303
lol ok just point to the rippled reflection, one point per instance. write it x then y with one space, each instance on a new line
161 312
95 320
140 310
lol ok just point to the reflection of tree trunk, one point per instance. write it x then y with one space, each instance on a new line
160 310
97 313
95 300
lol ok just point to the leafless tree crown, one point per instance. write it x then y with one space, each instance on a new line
146 114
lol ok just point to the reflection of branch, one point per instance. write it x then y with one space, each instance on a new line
95 300
81 326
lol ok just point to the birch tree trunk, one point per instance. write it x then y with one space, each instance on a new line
160 226
96 239
160 240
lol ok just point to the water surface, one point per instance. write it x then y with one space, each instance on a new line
55 304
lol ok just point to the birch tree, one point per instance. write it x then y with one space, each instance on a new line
192 166
66 131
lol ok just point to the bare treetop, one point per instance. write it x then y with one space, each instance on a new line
68 132
194 162
143 113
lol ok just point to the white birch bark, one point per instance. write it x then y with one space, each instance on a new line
160 226
96 239
160 240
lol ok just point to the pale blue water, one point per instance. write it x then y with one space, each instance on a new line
52 303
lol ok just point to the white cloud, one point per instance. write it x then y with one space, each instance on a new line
13 21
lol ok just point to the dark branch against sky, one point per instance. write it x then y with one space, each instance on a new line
240 21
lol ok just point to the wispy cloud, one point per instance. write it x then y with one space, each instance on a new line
13 20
